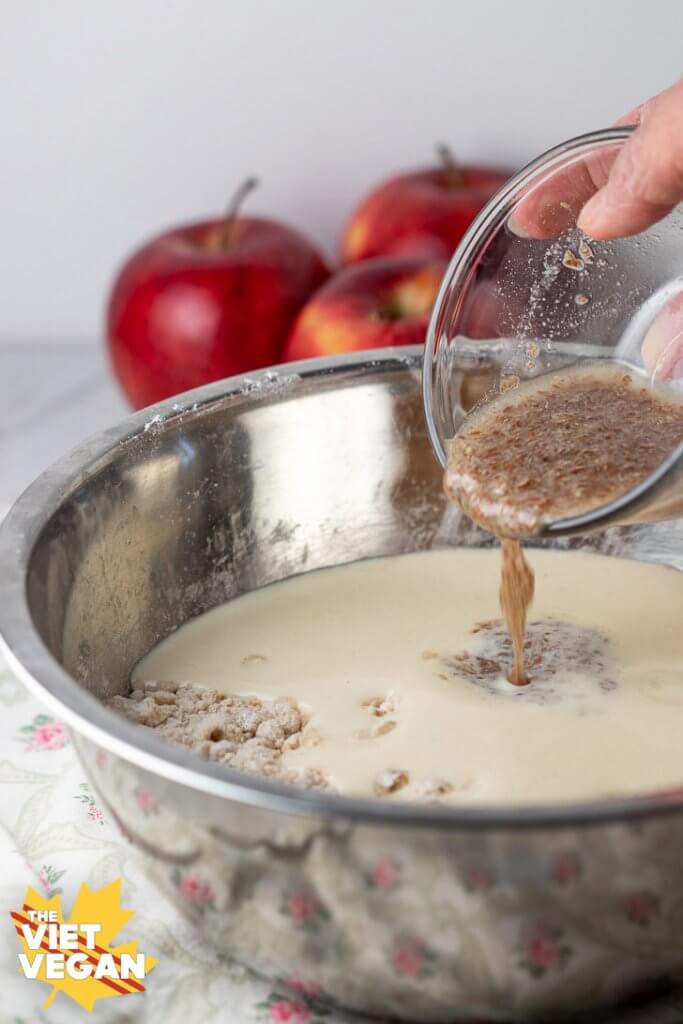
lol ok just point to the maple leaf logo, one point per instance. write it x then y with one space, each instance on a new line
76 956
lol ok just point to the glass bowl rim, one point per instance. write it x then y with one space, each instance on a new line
485 224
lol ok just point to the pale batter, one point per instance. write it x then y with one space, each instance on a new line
407 702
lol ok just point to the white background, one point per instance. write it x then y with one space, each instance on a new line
120 117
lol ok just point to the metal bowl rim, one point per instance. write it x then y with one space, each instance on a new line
30 659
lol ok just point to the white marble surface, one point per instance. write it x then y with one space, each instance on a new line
52 396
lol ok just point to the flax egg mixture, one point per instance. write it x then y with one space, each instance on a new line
560 446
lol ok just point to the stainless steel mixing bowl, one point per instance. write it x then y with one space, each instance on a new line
418 912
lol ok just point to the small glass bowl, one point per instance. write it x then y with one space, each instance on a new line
527 292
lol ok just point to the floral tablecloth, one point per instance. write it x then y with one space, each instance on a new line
54 836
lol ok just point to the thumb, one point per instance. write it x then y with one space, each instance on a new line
646 180
662 348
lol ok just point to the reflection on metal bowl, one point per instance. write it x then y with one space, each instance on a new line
416 912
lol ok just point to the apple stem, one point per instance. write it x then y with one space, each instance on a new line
224 233
451 169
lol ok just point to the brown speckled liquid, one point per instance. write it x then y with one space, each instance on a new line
553 448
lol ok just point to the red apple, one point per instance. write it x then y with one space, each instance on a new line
369 305
208 300
424 213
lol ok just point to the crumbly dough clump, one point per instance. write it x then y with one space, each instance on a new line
245 733
252 735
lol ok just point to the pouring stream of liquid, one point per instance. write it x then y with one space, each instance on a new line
516 594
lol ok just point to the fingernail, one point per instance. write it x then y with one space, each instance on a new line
514 226
537 218
662 348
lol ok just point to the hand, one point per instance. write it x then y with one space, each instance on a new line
643 186
645 181
615 193
619 193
